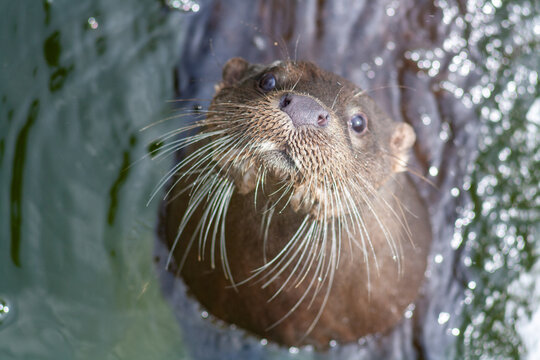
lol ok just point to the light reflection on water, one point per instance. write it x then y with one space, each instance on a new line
502 224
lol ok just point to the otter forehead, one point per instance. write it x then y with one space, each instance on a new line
305 77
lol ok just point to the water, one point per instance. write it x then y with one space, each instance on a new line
77 83
77 240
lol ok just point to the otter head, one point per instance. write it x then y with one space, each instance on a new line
313 134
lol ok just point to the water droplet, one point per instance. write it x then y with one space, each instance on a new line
333 343
264 342
433 171
204 314
457 239
4 310
259 42
504 154
293 350
443 318
183 5
471 285
533 115
409 311
444 133
390 11
93 23
438 258
426 120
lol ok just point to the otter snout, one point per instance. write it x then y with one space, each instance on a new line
303 110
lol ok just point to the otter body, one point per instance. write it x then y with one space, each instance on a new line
291 215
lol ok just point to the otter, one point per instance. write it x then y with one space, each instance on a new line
291 213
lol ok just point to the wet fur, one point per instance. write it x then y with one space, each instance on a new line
298 234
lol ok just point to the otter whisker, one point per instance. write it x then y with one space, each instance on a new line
331 266
189 100
297 257
258 182
362 92
177 168
275 263
217 157
267 219
310 240
192 126
313 236
324 302
194 203
305 245
283 190
283 259
176 116
304 295
296 82
335 99
337 203
345 210
277 259
325 223
388 235
209 215
261 176
365 241
223 249
199 158
176 145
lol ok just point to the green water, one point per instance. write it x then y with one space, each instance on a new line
76 236
501 227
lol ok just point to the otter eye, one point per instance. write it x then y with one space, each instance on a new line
359 123
267 82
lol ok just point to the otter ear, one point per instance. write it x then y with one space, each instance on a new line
402 140
234 70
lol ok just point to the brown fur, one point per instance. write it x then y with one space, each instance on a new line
256 179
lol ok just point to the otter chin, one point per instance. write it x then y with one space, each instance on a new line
291 213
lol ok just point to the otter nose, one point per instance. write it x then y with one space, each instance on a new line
303 110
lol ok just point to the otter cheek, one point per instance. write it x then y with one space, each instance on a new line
402 139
